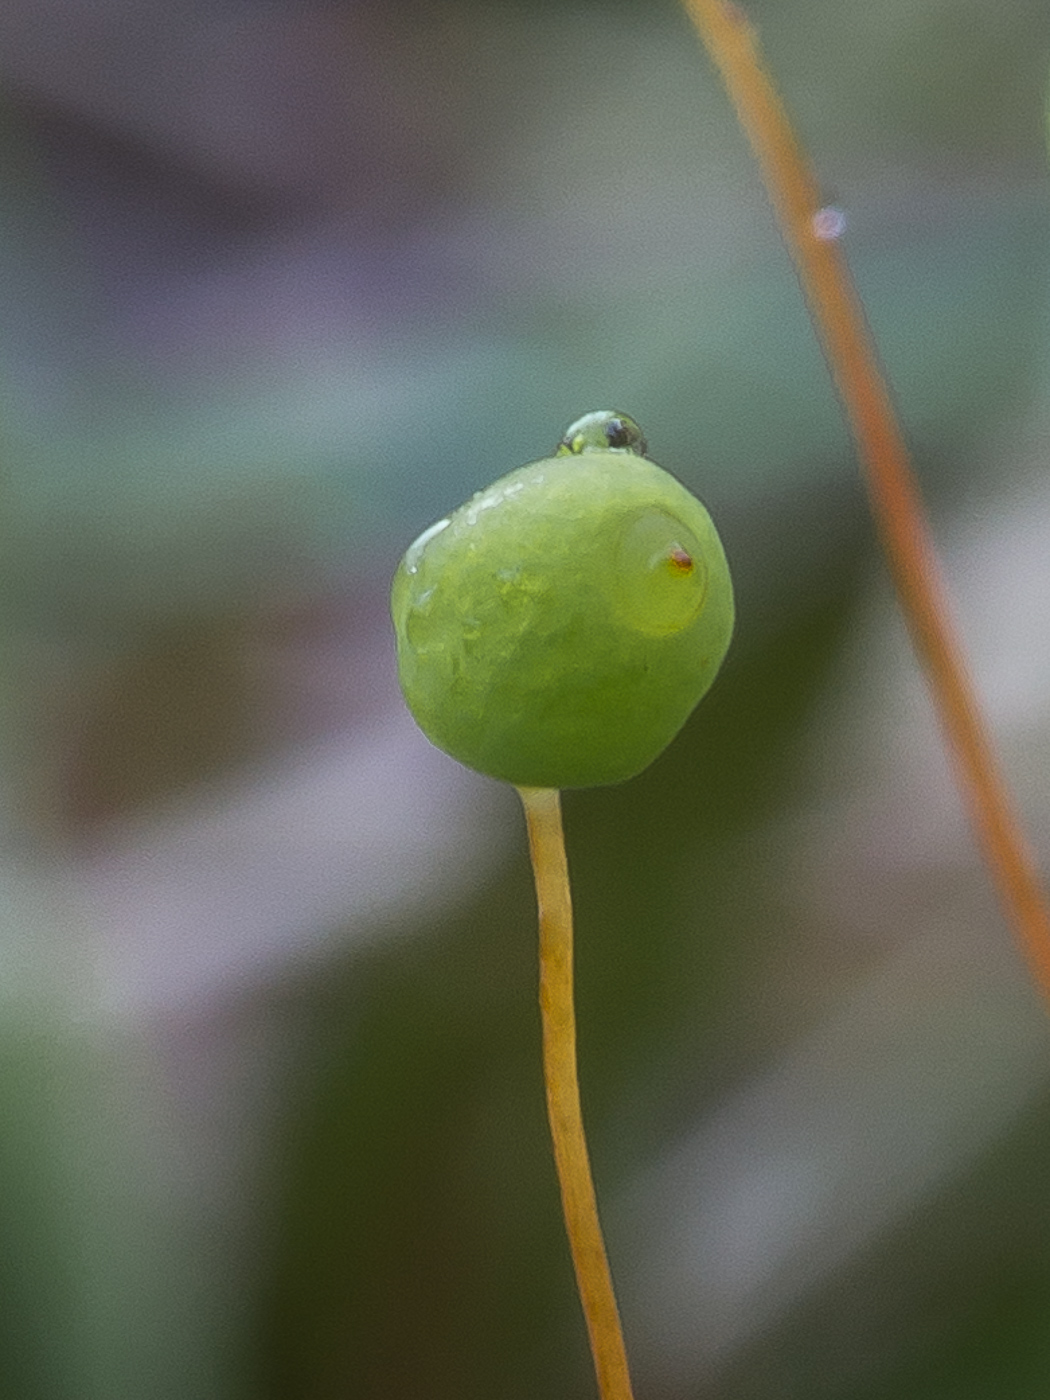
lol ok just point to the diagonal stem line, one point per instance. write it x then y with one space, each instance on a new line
580 1207
838 317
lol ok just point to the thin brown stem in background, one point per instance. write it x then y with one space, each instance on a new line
551 871
838 316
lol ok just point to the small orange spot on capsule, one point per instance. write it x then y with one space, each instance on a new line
680 561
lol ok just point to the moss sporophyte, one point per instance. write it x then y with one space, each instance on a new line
557 631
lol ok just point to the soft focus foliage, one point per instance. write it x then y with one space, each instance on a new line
281 283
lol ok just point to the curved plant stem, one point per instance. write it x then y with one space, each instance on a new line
551 871
838 317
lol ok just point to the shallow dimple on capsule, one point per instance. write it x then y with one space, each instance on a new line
420 631
660 580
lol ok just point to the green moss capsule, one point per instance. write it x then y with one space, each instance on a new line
558 629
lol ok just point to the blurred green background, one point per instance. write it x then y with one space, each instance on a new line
279 284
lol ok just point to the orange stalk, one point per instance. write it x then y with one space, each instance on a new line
838 317
579 1206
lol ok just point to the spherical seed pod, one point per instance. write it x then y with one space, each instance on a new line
558 629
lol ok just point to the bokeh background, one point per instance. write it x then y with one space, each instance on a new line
279 284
